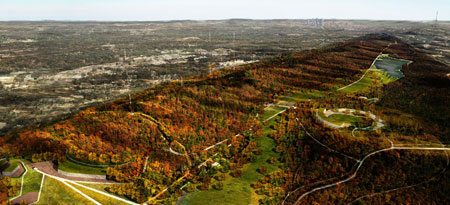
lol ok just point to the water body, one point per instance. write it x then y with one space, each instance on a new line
391 66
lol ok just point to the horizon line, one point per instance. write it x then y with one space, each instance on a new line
226 19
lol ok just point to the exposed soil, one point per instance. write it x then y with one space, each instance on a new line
48 168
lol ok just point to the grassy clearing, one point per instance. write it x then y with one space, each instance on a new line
385 78
300 96
291 100
364 83
13 164
339 119
369 79
100 187
238 190
96 196
31 181
69 166
270 111
385 70
55 192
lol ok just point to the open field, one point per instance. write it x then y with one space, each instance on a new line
297 96
69 166
98 197
270 111
384 70
369 79
55 192
31 181
337 119
100 187
340 119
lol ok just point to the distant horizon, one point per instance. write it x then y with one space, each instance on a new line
200 10
227 19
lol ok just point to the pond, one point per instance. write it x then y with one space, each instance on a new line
391 66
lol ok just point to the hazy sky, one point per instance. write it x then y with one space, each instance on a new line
145 10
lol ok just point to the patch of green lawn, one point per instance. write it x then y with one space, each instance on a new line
341 118
100 187
238 190
270 111
31 181
55 192
69 166
385 69
386 78
13 164
98 197
364 83
300 96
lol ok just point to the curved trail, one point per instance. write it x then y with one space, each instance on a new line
369 69
360 163
323 145
405 187
203 163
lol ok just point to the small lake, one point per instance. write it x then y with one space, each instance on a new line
391 66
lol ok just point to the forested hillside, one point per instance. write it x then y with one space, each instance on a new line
175 125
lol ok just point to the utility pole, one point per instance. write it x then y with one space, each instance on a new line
145 165
234 49
435 21
129 87
210 67
124 54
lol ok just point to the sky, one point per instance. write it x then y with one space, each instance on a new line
153 10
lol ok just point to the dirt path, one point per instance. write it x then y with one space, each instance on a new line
48 168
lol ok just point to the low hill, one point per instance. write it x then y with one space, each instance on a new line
175 124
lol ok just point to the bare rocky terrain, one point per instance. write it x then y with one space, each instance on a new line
49 70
